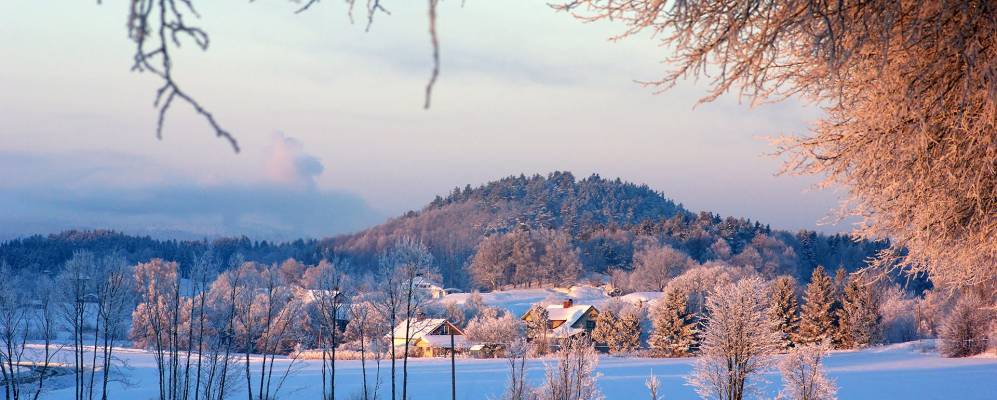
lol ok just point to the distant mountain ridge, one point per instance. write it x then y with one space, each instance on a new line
608 220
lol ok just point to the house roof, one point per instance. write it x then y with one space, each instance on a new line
570 316
419 329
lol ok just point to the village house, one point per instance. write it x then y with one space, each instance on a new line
567 320
435 291
315 299
429 337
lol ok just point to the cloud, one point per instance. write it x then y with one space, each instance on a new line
288 164
85 192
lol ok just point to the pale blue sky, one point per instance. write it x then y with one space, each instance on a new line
331 115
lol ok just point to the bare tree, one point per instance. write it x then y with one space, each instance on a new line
965 330
13 330
518 388
803 375
201 275
268 314
75 288
390 304
156 28
414 263
910 97
655 265
359 328
738 341
653 385
155 321
329 297
46 325
572 376
114 303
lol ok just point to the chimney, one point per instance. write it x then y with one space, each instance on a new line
568 303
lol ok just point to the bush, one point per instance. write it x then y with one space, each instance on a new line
966 330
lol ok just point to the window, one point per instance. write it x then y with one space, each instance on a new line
590 325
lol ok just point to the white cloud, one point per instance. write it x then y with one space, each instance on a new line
288 164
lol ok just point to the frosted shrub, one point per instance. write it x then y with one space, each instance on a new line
738 341
965 331
573 376
899 323
803 375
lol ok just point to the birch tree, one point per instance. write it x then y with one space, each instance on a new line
572 376
13 330
738 342
803 376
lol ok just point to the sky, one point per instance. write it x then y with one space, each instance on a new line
330 120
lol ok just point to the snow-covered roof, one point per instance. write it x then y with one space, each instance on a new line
422 282
419 328
570 316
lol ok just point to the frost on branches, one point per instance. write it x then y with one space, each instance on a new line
803 375
909 91
817 317
673 331
859 318
738 342
785 309
964 332
573 376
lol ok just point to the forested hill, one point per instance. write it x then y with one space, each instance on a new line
607 221
604 224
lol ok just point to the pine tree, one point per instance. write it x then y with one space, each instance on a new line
673 327
817 317
858 317
607 330
784 311
629 332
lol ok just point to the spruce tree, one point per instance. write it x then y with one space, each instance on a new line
858 317
629 332
817 317
607 330
784 311
673 331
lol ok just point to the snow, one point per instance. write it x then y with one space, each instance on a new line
417 328
642 297
570 315
518 301
891 372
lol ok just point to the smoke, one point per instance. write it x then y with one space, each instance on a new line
287 163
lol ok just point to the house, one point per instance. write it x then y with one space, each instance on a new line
568 320
429 337
314 300
435 291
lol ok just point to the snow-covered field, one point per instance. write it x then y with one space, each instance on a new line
892 372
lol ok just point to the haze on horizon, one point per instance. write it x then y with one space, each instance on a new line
333 133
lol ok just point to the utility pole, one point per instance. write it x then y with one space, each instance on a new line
453 368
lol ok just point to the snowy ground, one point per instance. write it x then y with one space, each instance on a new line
893 372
